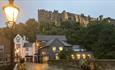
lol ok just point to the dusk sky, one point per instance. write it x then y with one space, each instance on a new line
29 8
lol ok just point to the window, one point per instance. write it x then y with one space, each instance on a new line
78 56
54 49
72 56
57 57
89 55
27 49
18 45
60 48
27 54
18 39
84 56
1 54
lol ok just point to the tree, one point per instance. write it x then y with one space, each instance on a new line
66 54
99 38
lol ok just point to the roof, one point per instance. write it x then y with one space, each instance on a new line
50 37
83 52
62 42
49 43
76 47
27 45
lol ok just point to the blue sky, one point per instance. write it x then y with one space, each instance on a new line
28 8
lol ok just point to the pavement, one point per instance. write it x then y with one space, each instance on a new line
35 66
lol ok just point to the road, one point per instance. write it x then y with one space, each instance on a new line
33 66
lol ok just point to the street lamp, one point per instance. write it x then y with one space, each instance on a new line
11 12
17 54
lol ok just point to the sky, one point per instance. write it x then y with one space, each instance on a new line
29 8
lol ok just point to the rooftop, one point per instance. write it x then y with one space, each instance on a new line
50 37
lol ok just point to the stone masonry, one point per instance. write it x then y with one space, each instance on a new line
45 16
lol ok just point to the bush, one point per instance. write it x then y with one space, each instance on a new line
5 67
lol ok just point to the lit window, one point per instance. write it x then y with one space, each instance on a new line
57 57
84 56
37 44
72 56
43 53
60 48
78 56
54 49
89 55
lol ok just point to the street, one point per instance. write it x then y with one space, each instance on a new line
34 66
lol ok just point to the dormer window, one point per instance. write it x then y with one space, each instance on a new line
18 39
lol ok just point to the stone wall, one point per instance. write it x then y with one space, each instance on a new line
101 64
64 64
45 16
105 64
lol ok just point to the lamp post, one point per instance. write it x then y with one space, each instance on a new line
11 12
17 53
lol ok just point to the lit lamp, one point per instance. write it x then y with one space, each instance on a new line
17 51
78 56
72 56
11 12
84 56
37 44
17 55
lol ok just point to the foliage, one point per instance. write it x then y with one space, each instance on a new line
5 67
65 54
98 36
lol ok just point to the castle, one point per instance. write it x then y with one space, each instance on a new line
45 16
56 17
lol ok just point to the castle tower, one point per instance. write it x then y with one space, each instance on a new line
44 16
64 15
76 18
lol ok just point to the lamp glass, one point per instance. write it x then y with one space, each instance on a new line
11 13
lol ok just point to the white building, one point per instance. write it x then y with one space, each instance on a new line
23 49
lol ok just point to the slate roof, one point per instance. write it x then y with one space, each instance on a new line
27 44
50 37
76 47
51 41
82 52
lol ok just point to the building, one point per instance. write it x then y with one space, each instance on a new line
56 17
50 46
29 49
4 51
45 16
23 49
80 53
